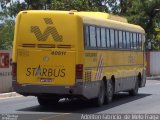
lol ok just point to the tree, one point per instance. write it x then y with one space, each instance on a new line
6 34
119 7
15 8
145 13
80 5
36 4
156 42
7 16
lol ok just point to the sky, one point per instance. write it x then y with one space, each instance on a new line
9 4
19 0
14 1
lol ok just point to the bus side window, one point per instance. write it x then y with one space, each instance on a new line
128 39
98 37
140 41
108 38
131 39
134 41
116 39
103 40
92 36
120 39
143 40
87 40
124 40
137 41
112 38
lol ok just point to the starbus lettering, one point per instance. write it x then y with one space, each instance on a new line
45 72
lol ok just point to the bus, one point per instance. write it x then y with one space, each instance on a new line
71 54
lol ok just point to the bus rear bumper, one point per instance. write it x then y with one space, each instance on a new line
70 91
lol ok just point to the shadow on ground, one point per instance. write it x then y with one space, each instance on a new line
84 107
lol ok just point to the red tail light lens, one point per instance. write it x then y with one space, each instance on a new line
14 71
79 71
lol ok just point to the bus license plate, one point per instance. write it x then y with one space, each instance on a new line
45 79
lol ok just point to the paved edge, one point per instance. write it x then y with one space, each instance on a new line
10 94
153 78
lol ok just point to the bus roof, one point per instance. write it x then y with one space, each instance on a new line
108 20
99 19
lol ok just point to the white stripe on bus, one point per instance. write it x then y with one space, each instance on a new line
99 68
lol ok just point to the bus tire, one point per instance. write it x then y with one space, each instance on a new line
109 92
44 101
134 91
99 101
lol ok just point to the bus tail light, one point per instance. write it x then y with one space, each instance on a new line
79 71
14 71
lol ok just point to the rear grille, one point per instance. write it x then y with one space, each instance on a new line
29 45
64 46
45 46
88 76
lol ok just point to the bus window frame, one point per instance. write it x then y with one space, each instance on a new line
124 47
86 28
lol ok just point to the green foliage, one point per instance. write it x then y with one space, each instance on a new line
7 16
80 5
119 7
156 41
145 13
37 4
6 35
15 8
71 5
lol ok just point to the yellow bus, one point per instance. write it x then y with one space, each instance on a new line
70 54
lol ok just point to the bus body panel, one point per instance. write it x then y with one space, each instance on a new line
45 46
50 67
104 63
47 27
48 30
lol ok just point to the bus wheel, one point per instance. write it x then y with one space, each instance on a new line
44 101
99 101
109 92
134 91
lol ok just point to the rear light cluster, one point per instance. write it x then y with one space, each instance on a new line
14 71
79 71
